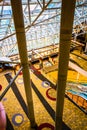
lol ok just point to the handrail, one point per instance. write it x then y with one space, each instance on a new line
9 62
7 88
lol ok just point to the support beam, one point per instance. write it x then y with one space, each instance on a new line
35 24
36 52
28 27
43 3
20 34
39 3
29 11
67 16
86 42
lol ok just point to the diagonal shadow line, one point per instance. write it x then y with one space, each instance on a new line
9 125
17 94
47 106
40 76
44 102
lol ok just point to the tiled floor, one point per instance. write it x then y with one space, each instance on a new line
44 103
72 116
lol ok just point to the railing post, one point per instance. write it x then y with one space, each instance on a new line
67 16
21 40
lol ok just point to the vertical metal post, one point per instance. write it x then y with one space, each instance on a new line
28 1
21 39
86 42
67 16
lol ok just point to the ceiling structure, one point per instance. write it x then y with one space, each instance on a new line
42 23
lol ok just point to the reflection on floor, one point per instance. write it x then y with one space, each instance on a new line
44 99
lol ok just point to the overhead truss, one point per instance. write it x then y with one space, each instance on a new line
42 23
